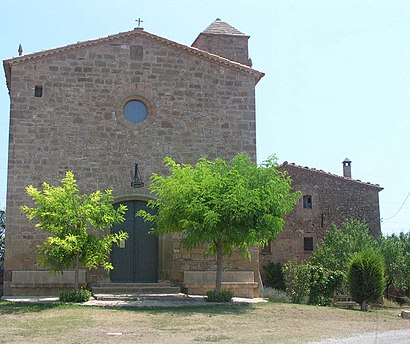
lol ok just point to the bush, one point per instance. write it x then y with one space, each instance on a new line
312 284
366 277
273 276
81 295
323 285
297 281
340 244
275 295
224 296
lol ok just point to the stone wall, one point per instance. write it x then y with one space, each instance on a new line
197 108
335 199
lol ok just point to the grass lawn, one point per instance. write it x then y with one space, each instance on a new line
261 323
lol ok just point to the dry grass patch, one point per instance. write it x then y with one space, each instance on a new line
263 323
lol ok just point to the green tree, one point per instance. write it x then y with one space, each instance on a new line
78 223
2 233
324 283
396 252
222 205
339 245
366 277
297 281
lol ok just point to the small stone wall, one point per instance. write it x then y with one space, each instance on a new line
31 282
241 283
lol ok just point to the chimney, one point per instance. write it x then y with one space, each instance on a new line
347 169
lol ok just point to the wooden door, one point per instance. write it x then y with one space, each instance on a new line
137 261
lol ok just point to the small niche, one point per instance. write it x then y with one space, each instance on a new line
38 91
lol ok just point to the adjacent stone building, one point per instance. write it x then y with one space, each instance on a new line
326 199
100 106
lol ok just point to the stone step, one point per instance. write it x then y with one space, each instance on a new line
140 297
136 285
135 288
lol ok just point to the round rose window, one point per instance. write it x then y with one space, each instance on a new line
135 111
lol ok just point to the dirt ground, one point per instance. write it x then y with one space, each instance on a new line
261 323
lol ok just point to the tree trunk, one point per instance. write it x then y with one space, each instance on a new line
76 271
219 261
363 306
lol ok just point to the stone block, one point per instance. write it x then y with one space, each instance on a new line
405 314
241 283
46 277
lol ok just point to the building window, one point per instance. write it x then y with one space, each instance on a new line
135 111
38 91
308 244
307 202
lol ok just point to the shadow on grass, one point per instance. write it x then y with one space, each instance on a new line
211 309
25 307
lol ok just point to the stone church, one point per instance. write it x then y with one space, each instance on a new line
110 110
102 106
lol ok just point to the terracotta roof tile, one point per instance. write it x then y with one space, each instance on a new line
305 168
219 27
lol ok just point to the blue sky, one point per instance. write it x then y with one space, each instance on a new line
337 78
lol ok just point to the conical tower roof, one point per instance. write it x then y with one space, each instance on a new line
219 27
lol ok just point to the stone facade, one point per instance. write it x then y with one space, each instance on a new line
66 113
327 199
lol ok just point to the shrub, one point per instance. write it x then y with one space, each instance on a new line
81 295
275 295
340 244
323 285
273 276
366 277
224 296
297 281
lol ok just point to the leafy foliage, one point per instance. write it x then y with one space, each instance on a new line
339 245
2 233
273 276
312 284
366 277
78 225
223 296
297 281
396 252
324 283
222 205
76 296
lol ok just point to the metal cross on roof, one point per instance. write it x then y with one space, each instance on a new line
139 21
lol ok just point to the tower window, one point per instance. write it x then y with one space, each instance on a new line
307 202
38 91
308 244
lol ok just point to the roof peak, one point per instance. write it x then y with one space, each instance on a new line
219 27
7 63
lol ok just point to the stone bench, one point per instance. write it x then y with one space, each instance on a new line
34 282
344 301
241 283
